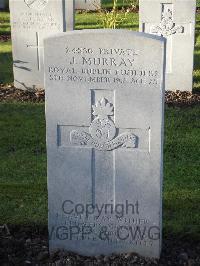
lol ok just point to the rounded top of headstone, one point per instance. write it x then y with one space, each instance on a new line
110 32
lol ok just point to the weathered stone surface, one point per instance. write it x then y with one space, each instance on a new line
88 4
104 113
175 20
31 22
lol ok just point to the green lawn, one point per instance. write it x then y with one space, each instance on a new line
6 74
23 163
120 3
182 170
23 193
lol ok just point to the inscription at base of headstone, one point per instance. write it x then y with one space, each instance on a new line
104 114
31 22
88 4
174 20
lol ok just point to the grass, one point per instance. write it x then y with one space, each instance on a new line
23 197
23 194
6 72
182 171
120 3
4 23
6 68
93 21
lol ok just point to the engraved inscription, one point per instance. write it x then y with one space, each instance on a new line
118 229
103 65
38 20
103 131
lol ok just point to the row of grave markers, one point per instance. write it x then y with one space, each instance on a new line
79 4
104 117
32 21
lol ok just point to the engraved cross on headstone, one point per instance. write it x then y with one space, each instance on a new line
103 138
168 29
37 47
69 25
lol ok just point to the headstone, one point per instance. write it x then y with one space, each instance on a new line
104 113
88 4
2 4
31 22
174 20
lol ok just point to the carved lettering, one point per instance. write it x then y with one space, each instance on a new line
107 62
113 65
35 20
116 51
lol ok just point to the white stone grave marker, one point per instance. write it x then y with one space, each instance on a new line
87 4
175 20
104 113
31 22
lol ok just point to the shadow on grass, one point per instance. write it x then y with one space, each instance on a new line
86 24
5 33
197 60
6 68
197 48
130 27
178 221
196 89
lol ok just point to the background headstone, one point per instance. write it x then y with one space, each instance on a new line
104 113
31 22
2 4
88 4
70 15
174 20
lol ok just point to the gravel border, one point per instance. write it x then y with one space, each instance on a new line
9 93
25 245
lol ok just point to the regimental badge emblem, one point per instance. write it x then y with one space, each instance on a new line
167 26
103 134
36 4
